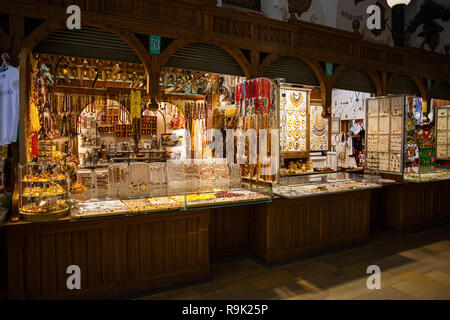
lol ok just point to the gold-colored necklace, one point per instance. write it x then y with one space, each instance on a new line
296 101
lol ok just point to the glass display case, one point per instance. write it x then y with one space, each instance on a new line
434 174
43 192
329 183
205 183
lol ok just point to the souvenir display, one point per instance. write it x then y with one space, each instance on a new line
206 171
119 174
348 105
175 171
158 173
372 143
101 178
139 175
373 125
385 125
154 204
425 140
318 129
384 161
295 187
43 192
191 172
221 171
396 144
395 163
224 197
443 133
383 143
396 125
295 113
235 175
94 209
85 178
372 108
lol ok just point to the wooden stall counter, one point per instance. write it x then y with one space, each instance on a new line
289 229
412 206
116 256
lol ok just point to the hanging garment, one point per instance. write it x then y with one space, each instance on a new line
9 105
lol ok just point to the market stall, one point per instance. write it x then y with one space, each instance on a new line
402 146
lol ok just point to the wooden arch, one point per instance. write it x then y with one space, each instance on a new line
234 52
374 77
52 25
418 82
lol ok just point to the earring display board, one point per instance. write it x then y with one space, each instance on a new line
384 139
443 133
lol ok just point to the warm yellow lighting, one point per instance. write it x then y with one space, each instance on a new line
393 3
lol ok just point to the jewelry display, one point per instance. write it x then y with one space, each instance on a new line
372 106
372 143
396 125
384 161
383 143
372 161
443 132
395 162
386 129
396 143
385 107
319 129
383 125
396 106
373 125
295 114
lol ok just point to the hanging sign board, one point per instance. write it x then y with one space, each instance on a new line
329 69
155 44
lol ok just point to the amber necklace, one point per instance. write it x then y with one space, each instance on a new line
296 100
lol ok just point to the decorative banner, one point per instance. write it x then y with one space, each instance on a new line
155 44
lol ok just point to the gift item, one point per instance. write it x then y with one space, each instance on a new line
118 174
101 178
85 178
221 171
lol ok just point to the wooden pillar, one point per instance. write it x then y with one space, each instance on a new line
254 61
16 37
153 88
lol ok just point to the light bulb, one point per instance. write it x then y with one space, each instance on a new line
393 3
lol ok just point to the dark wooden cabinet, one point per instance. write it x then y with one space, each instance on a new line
414 206
229 230
286 230
116 256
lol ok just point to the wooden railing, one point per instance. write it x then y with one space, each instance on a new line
201 20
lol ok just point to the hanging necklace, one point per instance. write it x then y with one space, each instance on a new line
296 100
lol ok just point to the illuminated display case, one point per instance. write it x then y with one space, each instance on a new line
43 192
328 183
204 183
431 175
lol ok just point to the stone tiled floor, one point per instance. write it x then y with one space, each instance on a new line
415 266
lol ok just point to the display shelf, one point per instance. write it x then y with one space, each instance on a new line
43 192
334 183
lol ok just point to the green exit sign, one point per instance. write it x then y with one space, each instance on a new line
329 68
155 44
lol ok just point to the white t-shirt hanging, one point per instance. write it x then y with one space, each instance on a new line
9 105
